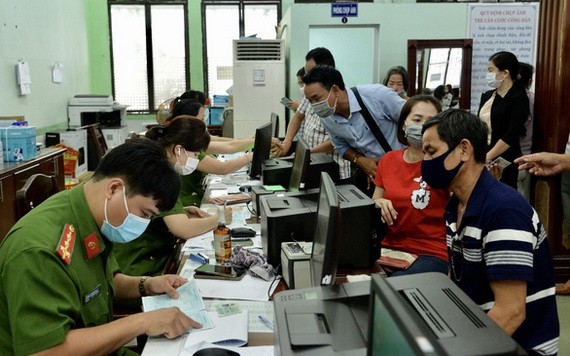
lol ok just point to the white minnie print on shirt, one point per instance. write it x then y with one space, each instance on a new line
420 197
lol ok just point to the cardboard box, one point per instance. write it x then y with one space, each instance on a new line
19 143
76 139
11 119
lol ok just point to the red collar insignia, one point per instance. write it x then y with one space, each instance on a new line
66 244
92 247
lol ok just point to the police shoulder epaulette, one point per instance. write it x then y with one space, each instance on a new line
66 243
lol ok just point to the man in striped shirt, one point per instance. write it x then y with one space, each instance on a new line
498 249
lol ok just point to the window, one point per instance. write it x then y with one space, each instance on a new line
149 43
444 67
239 18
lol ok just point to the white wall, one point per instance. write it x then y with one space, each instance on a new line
398 23
43 33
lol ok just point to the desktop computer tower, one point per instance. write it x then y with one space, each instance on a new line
277 171
291 217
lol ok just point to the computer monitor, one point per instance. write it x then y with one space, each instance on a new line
393 329
300 166
428 314
261 149
326 242
274 119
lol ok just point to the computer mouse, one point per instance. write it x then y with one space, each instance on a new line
242 231
245 188
215 351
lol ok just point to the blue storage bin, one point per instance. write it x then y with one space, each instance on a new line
18 143
221 100
216 115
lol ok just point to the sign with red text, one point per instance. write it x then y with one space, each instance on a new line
500 27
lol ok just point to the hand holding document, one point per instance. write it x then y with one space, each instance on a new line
190 303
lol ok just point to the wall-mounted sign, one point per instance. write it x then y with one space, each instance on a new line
344 9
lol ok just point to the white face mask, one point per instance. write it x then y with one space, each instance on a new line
189 167
302 89
492 81
413 134
322 108
206 114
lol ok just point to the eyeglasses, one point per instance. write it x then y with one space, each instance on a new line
457 259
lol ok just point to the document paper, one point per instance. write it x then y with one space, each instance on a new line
190 303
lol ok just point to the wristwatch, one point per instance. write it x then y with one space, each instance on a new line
142 288
355 158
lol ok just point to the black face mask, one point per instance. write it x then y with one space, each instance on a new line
435 174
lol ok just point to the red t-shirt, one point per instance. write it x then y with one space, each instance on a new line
420 226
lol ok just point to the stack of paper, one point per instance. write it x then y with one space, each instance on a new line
229 330
249 288
257 312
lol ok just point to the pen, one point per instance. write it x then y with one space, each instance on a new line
265 321
199 257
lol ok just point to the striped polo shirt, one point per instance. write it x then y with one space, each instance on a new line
501 238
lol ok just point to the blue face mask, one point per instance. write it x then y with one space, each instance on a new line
436 175
132 227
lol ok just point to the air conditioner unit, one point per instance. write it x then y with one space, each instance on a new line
259 84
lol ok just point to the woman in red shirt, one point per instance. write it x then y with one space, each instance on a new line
412 210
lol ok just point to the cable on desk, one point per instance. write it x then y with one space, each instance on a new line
300 243
248 208
276 278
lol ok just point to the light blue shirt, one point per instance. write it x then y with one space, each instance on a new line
383 104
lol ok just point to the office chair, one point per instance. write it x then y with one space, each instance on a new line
37 188
228 124
96 145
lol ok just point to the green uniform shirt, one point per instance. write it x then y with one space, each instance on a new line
41 297
147 254
192 190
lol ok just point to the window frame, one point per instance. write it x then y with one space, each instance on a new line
241 10
149 60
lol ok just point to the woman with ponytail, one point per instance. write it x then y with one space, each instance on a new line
505 109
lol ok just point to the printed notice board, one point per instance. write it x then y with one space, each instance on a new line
500 27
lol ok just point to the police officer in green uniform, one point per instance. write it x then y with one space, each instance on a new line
58 274
182 139
192 186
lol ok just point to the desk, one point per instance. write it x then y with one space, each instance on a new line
13 175
163 346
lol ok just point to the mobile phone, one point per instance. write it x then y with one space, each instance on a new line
285 100
208 271
503 163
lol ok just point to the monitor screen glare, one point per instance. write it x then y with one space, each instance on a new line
300 166
261 149
326 243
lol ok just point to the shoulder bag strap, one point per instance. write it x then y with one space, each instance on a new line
371 123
